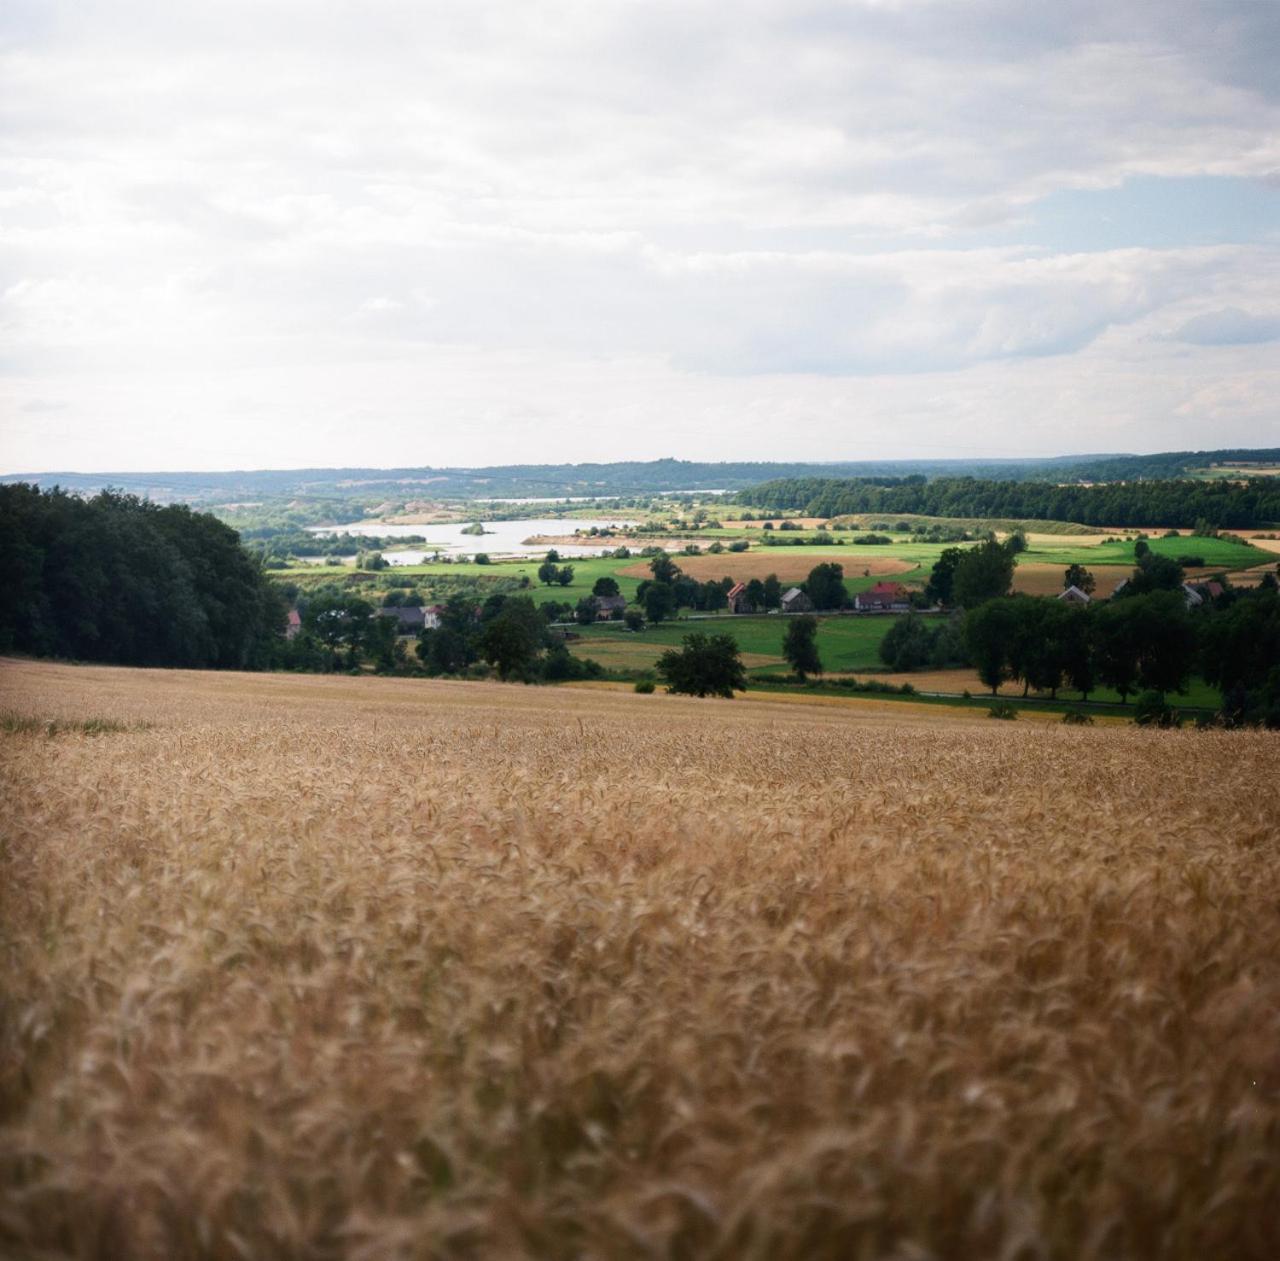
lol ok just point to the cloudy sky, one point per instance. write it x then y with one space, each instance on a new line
272 233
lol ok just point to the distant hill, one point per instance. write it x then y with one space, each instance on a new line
510 481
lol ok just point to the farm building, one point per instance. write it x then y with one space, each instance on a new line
1073 595
609 606
796 601
1193 597
409 619
884 597
431 616
737 596
294 624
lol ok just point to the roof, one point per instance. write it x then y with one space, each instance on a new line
886 588
1073 592
410 615
792 593
610 601
295 618
737 589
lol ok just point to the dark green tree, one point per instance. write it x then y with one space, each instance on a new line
605 586
825 585
983 573
755 594
800 645
707 665
1079 577
940 588
907 645
512 640
339 622
663 568
772 592
989 631
1154 573
659 601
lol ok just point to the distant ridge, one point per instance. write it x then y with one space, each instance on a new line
618 478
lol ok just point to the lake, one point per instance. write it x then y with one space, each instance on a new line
501 538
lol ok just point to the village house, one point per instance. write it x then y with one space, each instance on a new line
609 606
1073 595
796 601
884 597
409 619
737 596
294 624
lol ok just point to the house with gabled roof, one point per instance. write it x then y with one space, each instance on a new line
609 606
884 597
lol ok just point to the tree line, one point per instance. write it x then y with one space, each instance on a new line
122 580
1224 504
1145 639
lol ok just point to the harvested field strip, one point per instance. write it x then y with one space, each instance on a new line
743 566
381 969
1044 579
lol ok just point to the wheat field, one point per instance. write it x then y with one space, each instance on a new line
366 968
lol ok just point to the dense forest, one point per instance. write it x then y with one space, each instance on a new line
1224 504
118 579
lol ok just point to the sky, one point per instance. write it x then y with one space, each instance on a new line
283 233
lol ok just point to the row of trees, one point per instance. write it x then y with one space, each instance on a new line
510 633
1226 504
119 579
1147 642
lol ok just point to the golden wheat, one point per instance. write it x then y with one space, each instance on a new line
380 969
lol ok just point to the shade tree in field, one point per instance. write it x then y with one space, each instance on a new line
800 646
605 586
706 665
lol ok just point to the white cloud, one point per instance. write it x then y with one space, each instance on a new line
232 233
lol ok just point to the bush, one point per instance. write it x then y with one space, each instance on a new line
1003 710
482 558
644 686
1191 562
739 545
1152 710
1074 718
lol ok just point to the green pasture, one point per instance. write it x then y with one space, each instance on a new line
844 643
1227 553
